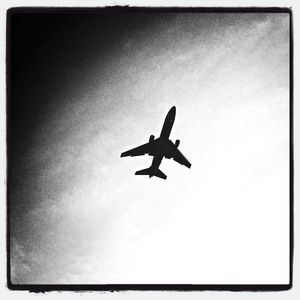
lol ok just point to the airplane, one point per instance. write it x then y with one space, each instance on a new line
160 148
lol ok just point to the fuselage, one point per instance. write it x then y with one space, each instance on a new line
168 124
164 138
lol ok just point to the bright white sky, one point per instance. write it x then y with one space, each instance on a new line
225 220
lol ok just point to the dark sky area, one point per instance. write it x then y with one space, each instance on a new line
50 53
44 47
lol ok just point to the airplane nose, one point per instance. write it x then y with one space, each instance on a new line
171 114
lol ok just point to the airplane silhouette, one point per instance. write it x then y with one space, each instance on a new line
160 148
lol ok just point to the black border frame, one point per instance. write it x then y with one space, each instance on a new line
150 287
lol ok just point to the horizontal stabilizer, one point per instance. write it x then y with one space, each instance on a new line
151 172
144 172
160 174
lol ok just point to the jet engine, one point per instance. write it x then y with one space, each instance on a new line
177 143
151 139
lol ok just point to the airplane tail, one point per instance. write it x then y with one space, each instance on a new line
151 172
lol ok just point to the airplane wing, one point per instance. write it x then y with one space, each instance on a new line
177 155
141 150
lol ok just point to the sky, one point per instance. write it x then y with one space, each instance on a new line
84 89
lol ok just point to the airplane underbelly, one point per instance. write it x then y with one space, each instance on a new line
160 149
